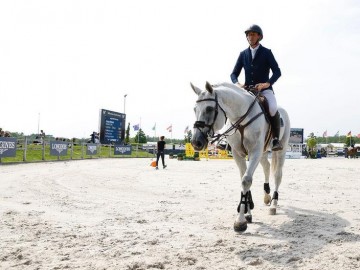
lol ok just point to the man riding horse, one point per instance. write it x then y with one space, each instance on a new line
257 62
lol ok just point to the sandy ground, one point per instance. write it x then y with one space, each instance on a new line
122 214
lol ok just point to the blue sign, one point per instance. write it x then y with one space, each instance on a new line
112 127
58 148
122 149
91 149
7 147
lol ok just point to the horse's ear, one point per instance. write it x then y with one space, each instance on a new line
209 87
197 90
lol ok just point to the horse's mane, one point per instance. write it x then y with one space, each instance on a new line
231 87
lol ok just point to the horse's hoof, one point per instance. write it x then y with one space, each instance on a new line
240 226
267 199
272 211
249 218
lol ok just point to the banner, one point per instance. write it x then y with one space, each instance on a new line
7 147
91 149
58 148
122 149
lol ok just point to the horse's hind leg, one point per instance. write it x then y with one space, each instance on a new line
277 163
266 168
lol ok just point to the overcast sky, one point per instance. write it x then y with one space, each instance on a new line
66 60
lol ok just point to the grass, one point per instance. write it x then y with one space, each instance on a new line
34 153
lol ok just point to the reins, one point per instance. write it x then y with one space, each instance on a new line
237 125
202 124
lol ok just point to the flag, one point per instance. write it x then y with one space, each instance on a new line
349 134
186 129
325 134
337 134
136 127
169 128
154 127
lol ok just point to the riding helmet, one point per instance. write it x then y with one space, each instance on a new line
255 28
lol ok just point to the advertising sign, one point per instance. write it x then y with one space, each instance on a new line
7 147
296 135
58 148
91 149
112 127
122 150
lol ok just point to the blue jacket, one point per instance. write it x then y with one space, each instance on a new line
257 70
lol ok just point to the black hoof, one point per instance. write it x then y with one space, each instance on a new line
249 218
240 226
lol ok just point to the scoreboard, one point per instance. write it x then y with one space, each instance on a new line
112 127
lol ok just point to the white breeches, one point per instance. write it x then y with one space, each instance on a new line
269 94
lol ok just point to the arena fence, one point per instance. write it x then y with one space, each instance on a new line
22 150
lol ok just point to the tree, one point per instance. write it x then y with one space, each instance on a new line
127 134
311 144
350 141
140 137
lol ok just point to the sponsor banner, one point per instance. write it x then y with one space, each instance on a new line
91 149
58 148
122 149
7 147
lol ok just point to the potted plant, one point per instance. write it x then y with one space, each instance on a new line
196 156
171 155
180 156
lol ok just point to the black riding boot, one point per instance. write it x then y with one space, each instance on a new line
275 128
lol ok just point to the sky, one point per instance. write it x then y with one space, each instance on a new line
63 61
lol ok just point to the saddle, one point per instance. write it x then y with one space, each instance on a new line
264 105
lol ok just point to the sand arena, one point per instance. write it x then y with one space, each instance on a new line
122 214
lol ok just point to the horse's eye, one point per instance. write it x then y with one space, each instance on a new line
209 109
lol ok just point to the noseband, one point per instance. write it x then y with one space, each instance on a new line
201 124
234 127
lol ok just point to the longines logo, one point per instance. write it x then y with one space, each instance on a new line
123 149
92 148
4 146
3 151
59 147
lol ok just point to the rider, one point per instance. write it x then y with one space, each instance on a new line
257 62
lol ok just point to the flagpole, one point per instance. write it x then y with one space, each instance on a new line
326 137
155 131
137 145
350 138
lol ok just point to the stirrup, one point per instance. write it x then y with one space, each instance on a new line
276 145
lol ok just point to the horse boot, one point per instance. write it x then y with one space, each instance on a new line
275 130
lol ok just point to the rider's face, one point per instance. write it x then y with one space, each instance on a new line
253 38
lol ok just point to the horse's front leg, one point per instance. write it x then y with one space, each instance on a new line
246 203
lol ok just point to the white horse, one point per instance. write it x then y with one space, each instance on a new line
248 134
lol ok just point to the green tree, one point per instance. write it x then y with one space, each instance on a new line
140 137
350 141
311 144
127 134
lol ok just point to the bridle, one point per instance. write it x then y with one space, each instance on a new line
234 127
200 125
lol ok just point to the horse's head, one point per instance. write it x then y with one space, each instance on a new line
210 117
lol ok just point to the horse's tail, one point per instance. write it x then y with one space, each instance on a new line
278 157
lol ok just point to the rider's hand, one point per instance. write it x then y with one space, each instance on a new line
240 85
261 86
